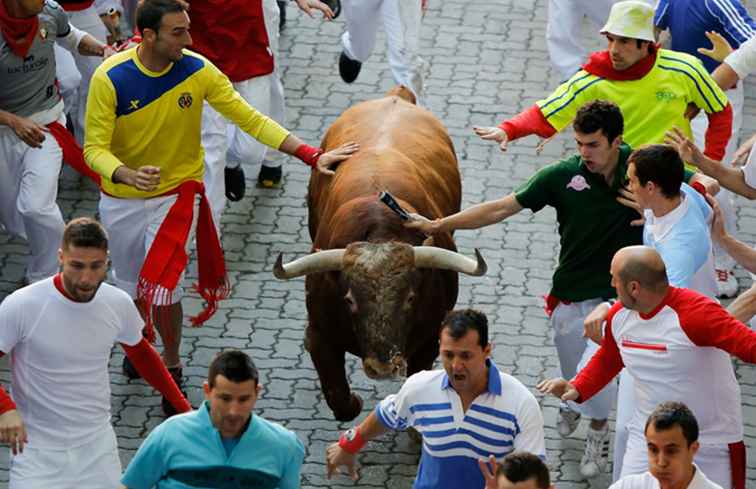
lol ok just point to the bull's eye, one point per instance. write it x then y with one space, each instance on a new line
410 298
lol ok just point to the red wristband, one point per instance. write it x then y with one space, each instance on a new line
308 154
352 441
6 403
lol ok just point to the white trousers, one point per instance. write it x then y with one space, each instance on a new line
575 351
625 410
713 460
565 18
227 145
401 21
28 193
94 465
132 225
75 96
725 198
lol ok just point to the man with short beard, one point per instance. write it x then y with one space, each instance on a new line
676 344
60 333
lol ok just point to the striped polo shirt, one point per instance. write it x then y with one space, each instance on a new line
506 417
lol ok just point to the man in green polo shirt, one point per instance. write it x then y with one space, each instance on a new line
593 225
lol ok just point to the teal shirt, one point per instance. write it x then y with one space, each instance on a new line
187 452
592 224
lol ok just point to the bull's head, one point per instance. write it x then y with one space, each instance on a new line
380 283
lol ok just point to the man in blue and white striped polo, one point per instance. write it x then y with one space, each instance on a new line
465 412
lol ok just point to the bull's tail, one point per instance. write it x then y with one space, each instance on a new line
403 93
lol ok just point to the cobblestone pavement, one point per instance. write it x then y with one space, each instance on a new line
487 60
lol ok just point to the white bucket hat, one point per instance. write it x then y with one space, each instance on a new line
633 19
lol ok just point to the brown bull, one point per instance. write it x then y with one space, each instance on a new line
374 290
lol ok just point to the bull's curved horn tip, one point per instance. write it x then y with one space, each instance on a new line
482 267
278 269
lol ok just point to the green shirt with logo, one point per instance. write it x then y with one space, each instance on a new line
592 224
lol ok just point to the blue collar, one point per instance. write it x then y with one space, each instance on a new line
494 379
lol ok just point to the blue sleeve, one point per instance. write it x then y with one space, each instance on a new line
149 464
661 16
681 265
734 19
291 473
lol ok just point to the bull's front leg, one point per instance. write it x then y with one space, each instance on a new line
329 362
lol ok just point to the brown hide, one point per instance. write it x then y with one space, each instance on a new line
407 151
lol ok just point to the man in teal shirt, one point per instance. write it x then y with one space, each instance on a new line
222 444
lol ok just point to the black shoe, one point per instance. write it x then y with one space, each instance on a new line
348 68
269 177
235 184
129 370
282 15
335 6
178 377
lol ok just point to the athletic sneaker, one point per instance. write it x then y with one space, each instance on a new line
727 284
596 454
269 177
568 421
178 377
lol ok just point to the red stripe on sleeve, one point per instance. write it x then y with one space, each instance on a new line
527 122
718 133
604 366
147 362
707 323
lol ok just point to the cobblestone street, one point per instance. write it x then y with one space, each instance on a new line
486 60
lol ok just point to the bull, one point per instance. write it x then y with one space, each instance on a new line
373 287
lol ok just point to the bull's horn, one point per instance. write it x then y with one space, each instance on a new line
322 261
432 257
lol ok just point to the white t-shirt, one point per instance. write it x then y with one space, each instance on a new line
648 481
60 351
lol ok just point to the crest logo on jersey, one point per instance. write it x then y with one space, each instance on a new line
43 33
185 100
578 183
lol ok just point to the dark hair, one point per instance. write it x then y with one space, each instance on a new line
600 115
459 322
149 13
85 232
670 414
234 365
661 164
524 466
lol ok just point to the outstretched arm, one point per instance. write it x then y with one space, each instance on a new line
474 217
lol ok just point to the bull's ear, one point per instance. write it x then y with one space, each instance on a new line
429 241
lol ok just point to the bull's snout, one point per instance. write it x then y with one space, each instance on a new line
378 370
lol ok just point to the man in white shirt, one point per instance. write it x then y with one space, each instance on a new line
672 438
60 333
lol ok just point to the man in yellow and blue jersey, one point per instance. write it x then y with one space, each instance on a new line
143 137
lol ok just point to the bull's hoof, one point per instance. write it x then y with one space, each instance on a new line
352 411
415 436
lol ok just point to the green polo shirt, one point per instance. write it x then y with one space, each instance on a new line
592 224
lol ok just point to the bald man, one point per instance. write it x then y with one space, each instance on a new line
675 343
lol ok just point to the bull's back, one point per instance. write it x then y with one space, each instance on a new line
403 149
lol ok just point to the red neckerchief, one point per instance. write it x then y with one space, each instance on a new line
600 64
166 260
18 33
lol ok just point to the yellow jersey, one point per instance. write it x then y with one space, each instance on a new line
137 117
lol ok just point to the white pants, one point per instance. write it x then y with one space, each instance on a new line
565 18
401 21
713 460
88 21
625 410
28 193
575 351
132 225
725 198
227 145
94 465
